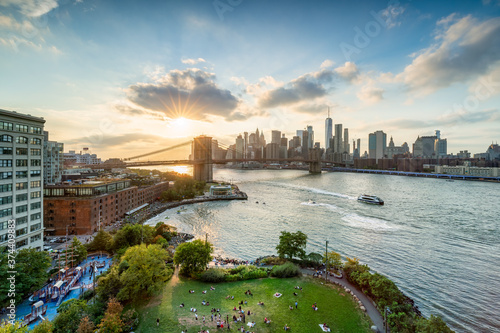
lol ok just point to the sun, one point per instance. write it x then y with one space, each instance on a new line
180 123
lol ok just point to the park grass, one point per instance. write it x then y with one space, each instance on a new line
335 307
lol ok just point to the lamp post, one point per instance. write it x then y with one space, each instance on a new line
326 261
386 309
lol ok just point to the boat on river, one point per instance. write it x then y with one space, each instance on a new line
370 199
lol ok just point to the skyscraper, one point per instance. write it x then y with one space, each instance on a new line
346 141
240 143
276 137
339 143
310 137
377 144
245 148
328 130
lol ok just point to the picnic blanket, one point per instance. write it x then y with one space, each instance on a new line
324 330
277 295
251 324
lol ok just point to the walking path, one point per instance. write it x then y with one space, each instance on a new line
371 309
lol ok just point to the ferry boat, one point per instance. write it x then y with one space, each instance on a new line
371 199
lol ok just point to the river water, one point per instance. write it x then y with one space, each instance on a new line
439 241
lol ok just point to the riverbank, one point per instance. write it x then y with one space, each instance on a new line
159 207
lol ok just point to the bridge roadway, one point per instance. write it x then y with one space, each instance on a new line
198 162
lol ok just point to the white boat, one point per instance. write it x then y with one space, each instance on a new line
371 199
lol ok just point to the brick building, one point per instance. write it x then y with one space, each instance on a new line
81 207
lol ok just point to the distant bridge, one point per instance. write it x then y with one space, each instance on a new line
203 162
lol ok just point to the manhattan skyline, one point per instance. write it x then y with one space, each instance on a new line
116 76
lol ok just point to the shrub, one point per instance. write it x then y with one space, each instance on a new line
255 274
286 270
214 275
273 261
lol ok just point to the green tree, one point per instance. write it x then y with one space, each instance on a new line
131 235
101 242
193 256
146 273
334 260
112 322
31 267
78 250
432 325
17 327
70 314
109 284
292 245
44 327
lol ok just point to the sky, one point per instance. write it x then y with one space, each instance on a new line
123 77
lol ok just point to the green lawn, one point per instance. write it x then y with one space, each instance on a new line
339 311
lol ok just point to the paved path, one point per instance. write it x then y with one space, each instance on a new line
371 310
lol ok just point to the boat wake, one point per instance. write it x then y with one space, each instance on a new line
315 190
353 219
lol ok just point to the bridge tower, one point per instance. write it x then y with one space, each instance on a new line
315 157
202 156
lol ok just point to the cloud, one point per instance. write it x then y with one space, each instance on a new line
463 117
391 14
115 140
191 93
327 63
313 109
370 94
192 61
465 49
31 8
304 88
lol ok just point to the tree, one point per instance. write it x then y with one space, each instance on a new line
31 267
112 322
109 285
70 314
16 327
44 327
86 326
432 325
334 260
101 242
193 256
79 251
146 273
292 245
131 235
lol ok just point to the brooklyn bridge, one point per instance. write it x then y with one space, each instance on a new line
202 159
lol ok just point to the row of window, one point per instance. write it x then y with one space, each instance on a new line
20 174
4 125
19 163
19 209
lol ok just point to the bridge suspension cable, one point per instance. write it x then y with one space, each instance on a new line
158 151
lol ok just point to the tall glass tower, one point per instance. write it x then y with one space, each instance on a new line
328 130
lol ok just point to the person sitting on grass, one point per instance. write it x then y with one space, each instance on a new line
261 303
191 291
286 328
290 307
325 327
294 294
212 288
182 305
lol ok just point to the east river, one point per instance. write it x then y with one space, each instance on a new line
439 241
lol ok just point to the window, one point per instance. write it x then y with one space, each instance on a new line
21 174
3 225
21 151
36 238
22 139
36 141
21 186
21 231
5 163
36 162
36 152
21 209
36 130
35 183
22 243
35 216
5 212
5 151
22 128
21 197
6 200
6 175
21 163
36 205
35 227
6 126
34 195
6 188
3 238
35 173
5 138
